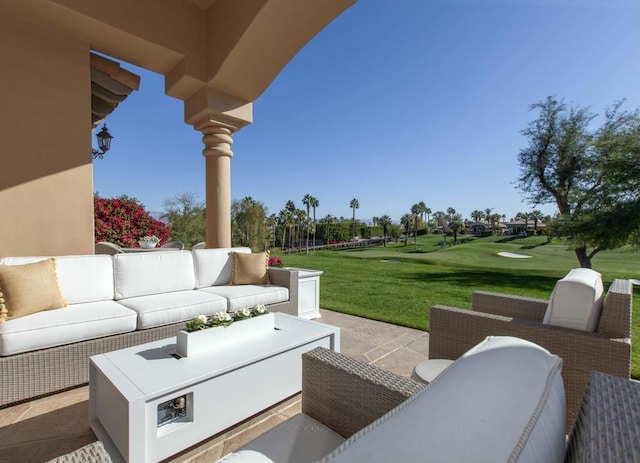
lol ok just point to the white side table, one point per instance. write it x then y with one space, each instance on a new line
308 293
426 371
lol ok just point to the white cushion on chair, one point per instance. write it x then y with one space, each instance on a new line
300 439
501 401
214 266
576 301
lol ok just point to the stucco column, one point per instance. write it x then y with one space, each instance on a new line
217 151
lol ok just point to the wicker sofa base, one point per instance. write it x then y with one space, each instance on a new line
43 372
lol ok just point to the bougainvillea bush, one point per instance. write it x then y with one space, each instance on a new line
123 221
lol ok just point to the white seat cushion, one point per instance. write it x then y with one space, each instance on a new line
77 322
246 296
576 301
501 401
167 308
300 439
142 274
214 266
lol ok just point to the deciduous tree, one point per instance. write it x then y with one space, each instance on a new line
592 174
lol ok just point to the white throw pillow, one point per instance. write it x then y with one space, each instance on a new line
576 301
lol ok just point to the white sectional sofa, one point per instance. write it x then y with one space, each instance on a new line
118 301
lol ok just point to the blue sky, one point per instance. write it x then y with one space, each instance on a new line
395 102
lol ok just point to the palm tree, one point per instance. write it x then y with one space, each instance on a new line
423 211
451 212
536 216
406 221
477 215
354 204
306 200
314 204
428 212
416 210
285 217
384 221
487 214
328 219
455 224
525 217
272 221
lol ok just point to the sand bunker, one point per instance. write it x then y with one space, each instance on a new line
514 255
391 261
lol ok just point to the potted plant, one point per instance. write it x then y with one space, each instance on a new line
148 242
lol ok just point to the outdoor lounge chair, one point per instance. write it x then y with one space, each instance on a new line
453 331
200 245
173 245
104 247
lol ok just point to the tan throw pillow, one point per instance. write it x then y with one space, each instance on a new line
250 269
29 288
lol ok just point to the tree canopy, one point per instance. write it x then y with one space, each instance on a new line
591 173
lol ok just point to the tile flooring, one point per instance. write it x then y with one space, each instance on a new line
43 429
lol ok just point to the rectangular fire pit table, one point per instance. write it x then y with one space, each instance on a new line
146 403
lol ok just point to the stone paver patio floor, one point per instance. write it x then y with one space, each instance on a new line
42 429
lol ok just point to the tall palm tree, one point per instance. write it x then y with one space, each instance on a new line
306 200
428 212
406 220
487 214
384 221
354 204
272 221
477 215
314 204
536 216
416 210
451 212
285 217
328 219
423 211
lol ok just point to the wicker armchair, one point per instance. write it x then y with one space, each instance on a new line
453 331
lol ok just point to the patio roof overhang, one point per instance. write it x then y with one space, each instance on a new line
110 85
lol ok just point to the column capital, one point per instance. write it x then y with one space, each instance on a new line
216 137
211 104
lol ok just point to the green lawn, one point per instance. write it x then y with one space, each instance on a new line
400 291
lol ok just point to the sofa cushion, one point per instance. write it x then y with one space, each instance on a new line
501 401
213 266
142 274
164 309
245 296
250 269
576 301
29 288
78 322
86 278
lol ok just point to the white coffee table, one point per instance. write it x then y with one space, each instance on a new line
132 390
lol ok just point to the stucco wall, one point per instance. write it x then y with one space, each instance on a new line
45 133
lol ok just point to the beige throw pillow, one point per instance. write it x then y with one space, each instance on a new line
29 288
250 269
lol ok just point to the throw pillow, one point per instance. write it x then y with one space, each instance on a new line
250 269
29 288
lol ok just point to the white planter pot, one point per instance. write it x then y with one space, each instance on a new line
147 244
195 342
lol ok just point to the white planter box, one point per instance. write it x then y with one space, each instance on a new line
195 342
